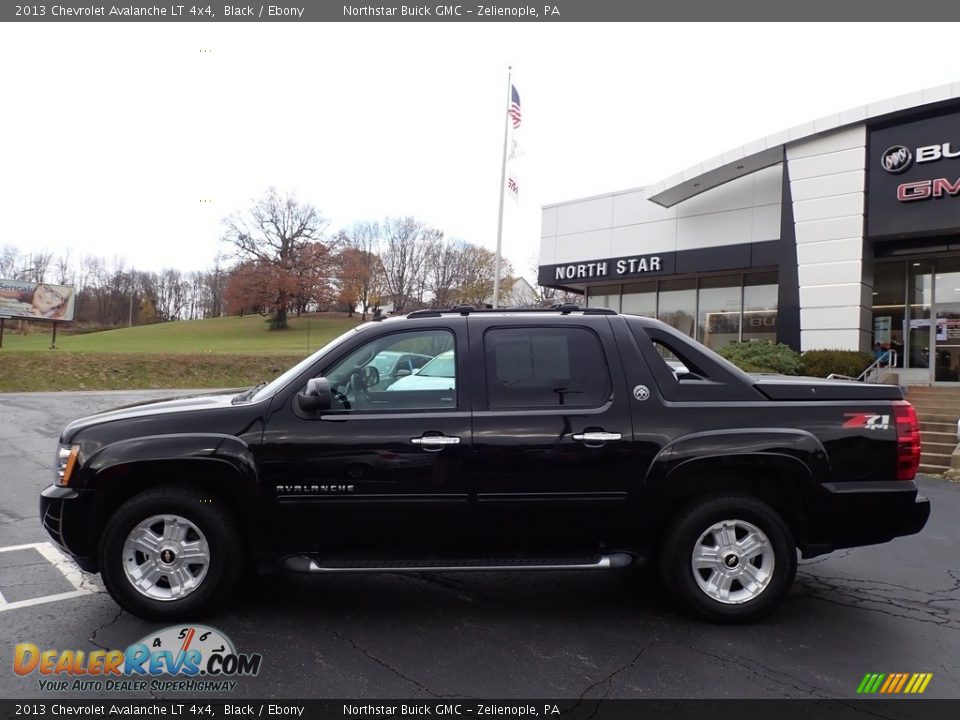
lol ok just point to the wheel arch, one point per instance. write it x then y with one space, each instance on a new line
779 467
219 465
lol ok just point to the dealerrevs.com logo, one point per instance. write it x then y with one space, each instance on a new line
896 159
200 657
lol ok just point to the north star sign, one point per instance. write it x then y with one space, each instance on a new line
601 268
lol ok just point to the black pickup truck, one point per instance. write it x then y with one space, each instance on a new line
469 440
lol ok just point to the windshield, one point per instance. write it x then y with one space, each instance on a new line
277 383
441 366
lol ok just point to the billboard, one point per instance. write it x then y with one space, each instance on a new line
36 301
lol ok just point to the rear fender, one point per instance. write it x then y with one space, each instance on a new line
781 466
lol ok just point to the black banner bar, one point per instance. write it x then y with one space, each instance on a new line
190 708
537 11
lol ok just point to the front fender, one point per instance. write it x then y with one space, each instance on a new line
221 464
226 451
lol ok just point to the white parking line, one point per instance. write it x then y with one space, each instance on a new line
61 562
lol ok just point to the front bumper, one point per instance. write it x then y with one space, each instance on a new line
64 513
864 513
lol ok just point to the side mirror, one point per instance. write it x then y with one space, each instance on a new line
404 372
317 396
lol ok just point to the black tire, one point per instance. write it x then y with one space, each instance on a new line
746 602
206 513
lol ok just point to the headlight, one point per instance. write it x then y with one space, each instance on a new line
66 463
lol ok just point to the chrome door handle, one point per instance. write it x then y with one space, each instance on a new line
435 442
597 437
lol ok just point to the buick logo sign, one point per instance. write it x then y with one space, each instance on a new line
896 159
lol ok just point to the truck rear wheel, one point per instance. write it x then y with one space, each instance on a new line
170 554
729 559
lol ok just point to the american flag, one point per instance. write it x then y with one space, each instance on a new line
514 111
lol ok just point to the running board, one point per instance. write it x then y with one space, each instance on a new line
316 564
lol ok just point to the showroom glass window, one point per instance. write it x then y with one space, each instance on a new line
639 299
889 291
718 322
604 296
920 298
678 304
946 335
760 306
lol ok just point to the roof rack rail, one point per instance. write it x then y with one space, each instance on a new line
564 309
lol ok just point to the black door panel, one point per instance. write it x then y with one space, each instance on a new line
385 470
542 477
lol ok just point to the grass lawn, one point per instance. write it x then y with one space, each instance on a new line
220 352
218 335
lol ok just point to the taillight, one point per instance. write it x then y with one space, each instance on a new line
908 440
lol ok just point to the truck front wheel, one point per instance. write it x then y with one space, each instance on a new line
169 554
729 559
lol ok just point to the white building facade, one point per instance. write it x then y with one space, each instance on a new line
842 233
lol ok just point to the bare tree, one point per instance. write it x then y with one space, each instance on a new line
448 270
273 232
547 296
8 261
62 272
402 257
361 273
481 269
40 261
216 287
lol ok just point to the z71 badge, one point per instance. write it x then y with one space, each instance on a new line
867 421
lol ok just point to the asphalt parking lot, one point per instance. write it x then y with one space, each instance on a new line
889 608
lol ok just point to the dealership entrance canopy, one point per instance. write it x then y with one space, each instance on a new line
842 233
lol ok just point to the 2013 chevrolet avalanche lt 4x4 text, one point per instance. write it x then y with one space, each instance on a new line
490 440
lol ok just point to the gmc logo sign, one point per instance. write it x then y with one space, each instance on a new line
926 189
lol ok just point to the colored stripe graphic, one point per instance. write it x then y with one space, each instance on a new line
903 679
870 683
890 683
894 683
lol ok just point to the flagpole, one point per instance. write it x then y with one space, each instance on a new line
503 182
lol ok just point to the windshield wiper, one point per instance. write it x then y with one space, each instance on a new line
247 394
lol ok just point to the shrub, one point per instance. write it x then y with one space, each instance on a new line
763 356
820 363
275 323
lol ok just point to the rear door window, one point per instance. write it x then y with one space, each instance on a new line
543 367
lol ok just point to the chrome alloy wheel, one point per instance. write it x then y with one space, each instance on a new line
733 562
166 557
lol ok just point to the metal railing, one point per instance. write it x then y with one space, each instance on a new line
884 362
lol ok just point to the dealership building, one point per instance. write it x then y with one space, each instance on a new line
841 233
